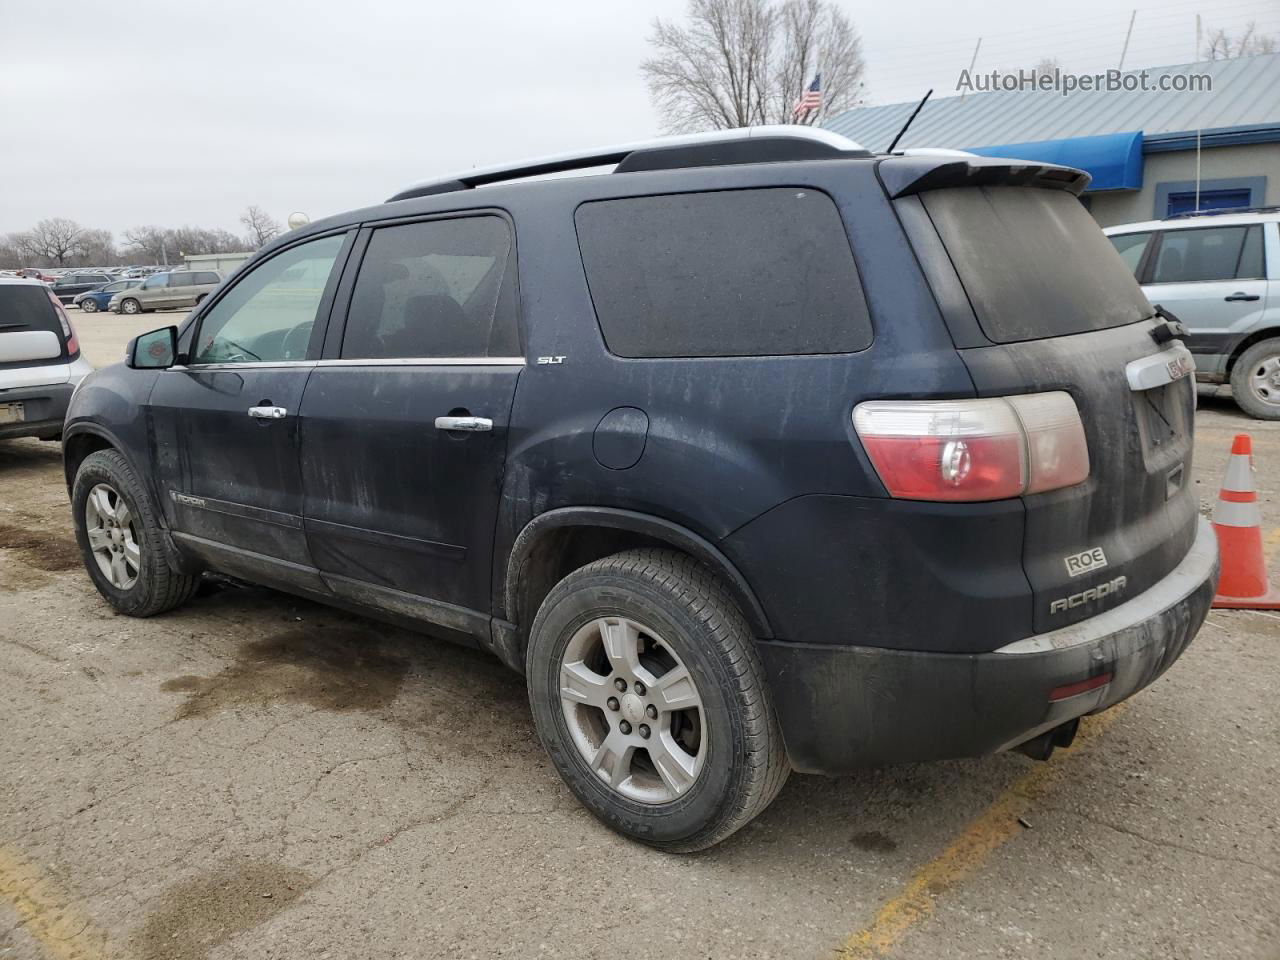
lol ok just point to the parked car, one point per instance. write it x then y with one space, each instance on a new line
166 291
91 301
779 454
33 273
40 362
1219 273
71 284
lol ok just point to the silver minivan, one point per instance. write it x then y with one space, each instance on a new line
174 289
1219 273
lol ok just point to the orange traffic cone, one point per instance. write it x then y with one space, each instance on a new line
1238 524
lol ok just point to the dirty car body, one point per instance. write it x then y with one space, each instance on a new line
910 418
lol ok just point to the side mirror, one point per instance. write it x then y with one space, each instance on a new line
156 350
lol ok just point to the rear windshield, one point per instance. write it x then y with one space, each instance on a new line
733 273
27 307
1033 262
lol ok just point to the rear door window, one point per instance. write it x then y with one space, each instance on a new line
1208 253
439 288
732 273
1034 262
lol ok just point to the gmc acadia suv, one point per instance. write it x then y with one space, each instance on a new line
759 453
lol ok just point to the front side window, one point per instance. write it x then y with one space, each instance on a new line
268 315
733 273
1207 253
441 288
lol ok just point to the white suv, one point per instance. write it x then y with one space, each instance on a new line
1219 273
40 362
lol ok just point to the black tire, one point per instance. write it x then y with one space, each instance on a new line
124 306
1243 391
157 587
683 602
89 306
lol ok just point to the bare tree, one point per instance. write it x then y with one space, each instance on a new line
56 239
152 244
262 227
1222 46
96 248
740 63
1047 67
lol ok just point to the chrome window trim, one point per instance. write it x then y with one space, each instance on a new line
426 362
387 362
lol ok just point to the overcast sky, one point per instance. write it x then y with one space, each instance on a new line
185 113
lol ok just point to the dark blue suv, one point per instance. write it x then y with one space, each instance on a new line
759 453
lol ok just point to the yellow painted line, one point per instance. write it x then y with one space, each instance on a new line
61 932
994 827
1271 543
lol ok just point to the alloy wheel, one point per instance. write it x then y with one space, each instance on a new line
1264 380
633 710
113 537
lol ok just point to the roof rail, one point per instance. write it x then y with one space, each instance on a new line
742 145
1222 212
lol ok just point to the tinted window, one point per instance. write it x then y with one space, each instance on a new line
734 273
24 307
207 277
1033 262
180 280
442 288
1209 253
268 315
1251 266
115 287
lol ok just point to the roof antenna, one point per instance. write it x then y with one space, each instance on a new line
909 119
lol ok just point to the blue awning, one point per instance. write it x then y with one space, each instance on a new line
1113 160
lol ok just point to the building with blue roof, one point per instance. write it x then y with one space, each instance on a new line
1151 153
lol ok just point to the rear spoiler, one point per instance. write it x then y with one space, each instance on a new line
903 176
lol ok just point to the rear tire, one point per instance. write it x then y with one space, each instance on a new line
121 540
1255 380
679 778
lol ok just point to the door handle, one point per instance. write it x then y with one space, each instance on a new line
1240 295
465 424
268 413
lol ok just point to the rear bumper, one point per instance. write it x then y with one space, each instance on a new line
45 408
844 707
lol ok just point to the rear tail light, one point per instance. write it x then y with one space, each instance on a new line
966 450
68 332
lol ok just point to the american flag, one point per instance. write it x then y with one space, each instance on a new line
811 99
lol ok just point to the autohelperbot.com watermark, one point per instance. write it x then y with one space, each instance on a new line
1066 83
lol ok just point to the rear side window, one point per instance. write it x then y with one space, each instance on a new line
1209 253
1131 247
440 288
206 277
727 274
1033 262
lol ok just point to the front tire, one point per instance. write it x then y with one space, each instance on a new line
1255 380
130 306
649 696
121 540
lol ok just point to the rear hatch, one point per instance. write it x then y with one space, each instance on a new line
33 347
1040 301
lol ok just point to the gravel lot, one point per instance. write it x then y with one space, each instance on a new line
255 776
